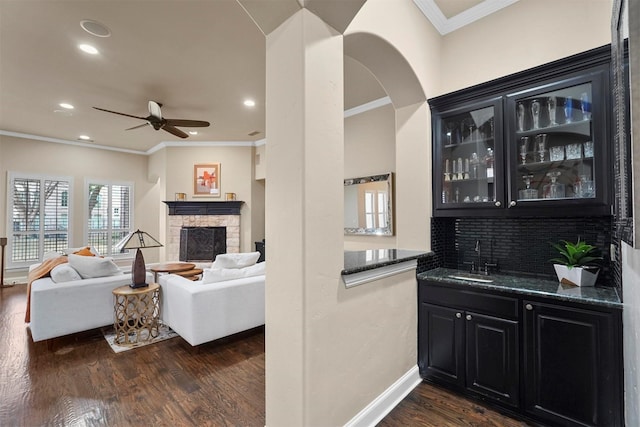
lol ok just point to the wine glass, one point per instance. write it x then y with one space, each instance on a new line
535 113
520 115
541 141
568 110
585 106
524 148
551 107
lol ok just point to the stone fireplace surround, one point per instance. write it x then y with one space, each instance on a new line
202 214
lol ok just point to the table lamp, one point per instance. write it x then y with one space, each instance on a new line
137 240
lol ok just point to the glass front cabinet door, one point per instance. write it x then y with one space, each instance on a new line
556 137
534 144
469 149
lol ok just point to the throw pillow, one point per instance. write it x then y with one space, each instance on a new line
214 275
64 273
240 260
89 266
69 251
86 251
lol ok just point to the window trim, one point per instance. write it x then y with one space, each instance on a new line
130 184
12 176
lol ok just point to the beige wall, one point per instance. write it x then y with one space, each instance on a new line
521 36
370 149
236 176
80 163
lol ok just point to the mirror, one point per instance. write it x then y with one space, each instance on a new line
368 205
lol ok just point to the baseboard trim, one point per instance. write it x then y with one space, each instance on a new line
375 411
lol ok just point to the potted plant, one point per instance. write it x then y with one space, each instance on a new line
577 263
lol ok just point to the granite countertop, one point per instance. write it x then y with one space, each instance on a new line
359 261
602 296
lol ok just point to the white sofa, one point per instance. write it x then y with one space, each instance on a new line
59 309
205 312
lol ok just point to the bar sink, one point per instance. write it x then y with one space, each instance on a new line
471 277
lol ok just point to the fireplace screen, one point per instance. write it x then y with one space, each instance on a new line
202 243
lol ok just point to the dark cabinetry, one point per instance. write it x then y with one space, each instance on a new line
551 361
570 364
470 342
534 143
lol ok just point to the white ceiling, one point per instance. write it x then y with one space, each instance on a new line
200 59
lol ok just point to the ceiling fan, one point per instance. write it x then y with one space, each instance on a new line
158 122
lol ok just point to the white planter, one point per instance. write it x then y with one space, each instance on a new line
577 276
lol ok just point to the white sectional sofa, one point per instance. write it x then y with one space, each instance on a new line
59 309
205 312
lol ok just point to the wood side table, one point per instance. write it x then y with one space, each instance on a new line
137 313
172 267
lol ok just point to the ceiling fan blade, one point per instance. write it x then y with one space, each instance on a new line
139 126
154 109
121 114
188 123
177 132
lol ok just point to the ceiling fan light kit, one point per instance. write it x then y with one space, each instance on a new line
158 122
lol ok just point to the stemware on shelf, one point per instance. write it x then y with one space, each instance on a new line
551 108
568 110
535 113
585 106
524 148
520 116
541 143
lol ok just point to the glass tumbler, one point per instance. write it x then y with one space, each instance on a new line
574 151
556 154
588 148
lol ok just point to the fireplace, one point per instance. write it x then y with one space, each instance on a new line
202 214
202 243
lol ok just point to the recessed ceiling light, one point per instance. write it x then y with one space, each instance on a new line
249 103
66 105
85 138
193 132
63 113
87 48
95 28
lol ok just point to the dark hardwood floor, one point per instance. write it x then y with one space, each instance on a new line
79 381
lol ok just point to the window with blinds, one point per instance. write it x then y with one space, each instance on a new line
110 214
39 215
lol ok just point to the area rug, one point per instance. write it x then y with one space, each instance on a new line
109 334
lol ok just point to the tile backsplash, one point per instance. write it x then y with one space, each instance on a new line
518 245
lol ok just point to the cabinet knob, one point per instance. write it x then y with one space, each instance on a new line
458 315
528 307
498 204
512 203
469 317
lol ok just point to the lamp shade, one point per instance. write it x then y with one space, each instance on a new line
137 240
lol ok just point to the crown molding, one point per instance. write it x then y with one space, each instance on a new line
377 103
445 26
69 142
372 105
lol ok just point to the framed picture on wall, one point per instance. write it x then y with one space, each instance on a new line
206 180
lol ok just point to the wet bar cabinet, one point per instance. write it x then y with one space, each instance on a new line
534 143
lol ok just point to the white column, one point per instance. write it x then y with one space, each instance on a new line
304 208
